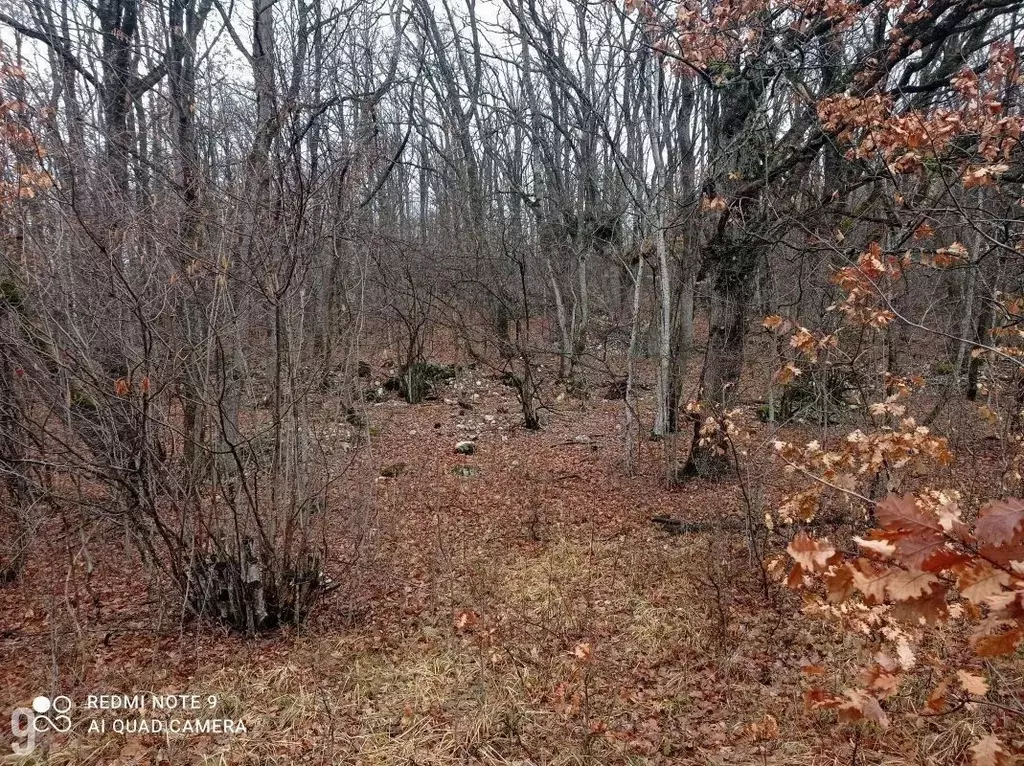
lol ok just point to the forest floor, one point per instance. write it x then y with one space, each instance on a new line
529 613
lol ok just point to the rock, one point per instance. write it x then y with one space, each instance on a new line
583 439
465 471
364 369
393 470
465 448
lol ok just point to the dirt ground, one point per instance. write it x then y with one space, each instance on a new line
528 613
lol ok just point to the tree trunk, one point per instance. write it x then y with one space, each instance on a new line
723 364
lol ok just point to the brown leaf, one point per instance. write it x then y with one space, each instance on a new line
931 608
796 579
914 549
583 651
811 554
972 684
860 704
1000 521
1003 554
903 586
937 699
869 579
988 751
979 580
880 546
994 642
466 619
839 582
816 698
896 512
884 682
943 559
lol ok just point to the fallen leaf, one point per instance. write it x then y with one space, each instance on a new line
972 684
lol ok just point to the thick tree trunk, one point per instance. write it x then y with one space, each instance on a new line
682 343
723 364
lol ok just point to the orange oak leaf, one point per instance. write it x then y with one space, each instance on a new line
811 554
989 751
994 641
895 512
942 559
972 684
869 579
905 585
860 704
1000 521
839 582
937 699
979 581
931 608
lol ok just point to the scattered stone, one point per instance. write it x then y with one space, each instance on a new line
583 439
364 369
465 471
489 418
465 448
392 471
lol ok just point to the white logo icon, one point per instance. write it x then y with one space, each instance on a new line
45 715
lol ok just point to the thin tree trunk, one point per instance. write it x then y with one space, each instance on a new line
632 429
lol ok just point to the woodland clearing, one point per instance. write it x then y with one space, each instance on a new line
528 613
